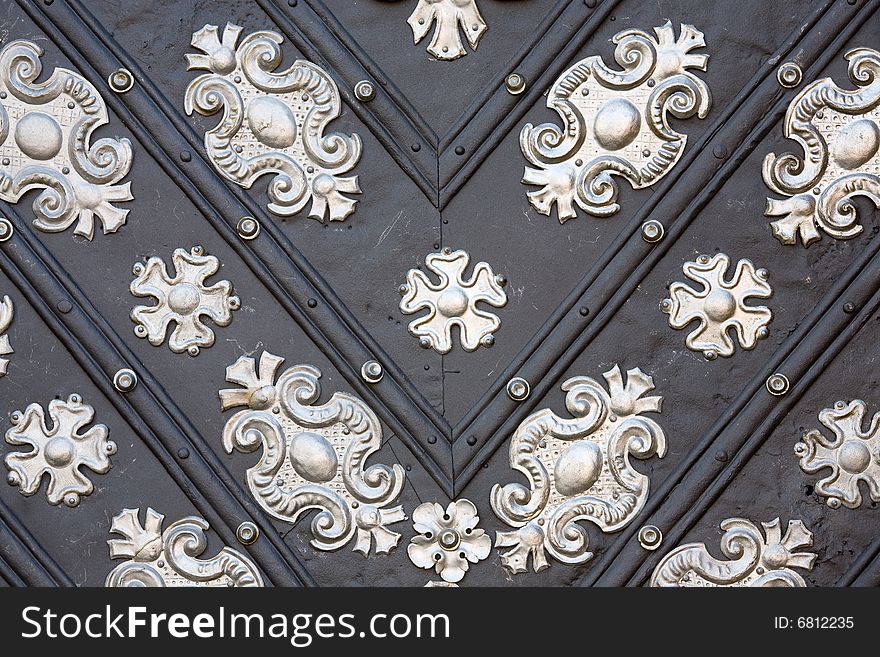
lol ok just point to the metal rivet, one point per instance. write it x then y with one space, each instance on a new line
247 533
650 537
518 389
248 228
777 384
584 311
849 308
432 440
372 371
721 456
125 380
6 229
183 453
416 148
459 150
652 231
590 3
311 303
719 151
186 156
64 306
121 80
364 91
472 440
789 75
291 3
516 84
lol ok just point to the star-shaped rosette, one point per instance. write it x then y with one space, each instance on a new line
448 539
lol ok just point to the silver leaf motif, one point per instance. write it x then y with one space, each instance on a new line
183 298
578 469
720 305
314 455
453 302
853 454
448 539
273 122
753 559
615 123
449 16
45 144
839 132
58 451
170 558
6 313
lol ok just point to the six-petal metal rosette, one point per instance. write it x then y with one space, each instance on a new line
720 306
448 539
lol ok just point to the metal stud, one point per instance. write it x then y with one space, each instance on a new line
778 384
247 533
6 229
650 537
364 91
248 228
515 83
125 380
652 231
789 75
121 80
372 372
518 389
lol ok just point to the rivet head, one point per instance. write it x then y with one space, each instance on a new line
372 371
125 380
121 80
364 91
518 389
515 83
652 231
777 384
650 537
247 533
248 228
789 75
5 229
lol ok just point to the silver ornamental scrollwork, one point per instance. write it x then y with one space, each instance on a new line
753 559
853 455
183 299
720 305
6 314
448 539
273 122
450 15
578 469
615 123
58 451
314 455
45 144
171 557
839 132
453 302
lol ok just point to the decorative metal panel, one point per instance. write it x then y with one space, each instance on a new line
470 393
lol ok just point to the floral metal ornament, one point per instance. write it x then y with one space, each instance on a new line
45 144
183 298
448 539
6 313
720 306
615 123
853 455
170 558
578 469
453 302
314 455
273 122
449 15
58 451
839 132
753 559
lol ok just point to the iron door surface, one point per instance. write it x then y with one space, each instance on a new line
444 292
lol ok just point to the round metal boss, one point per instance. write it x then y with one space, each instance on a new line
5 229
518 389
248 228
515 83
372 372
364 91
247 533
652 231
125 380
777 384
789 75
121 80
650 537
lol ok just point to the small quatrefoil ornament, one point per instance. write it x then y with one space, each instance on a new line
449 16
453 302
720 305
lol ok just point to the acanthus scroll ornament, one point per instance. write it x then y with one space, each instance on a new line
6 314
578 469
45 144
314 455
853 455
170 557
273 122
58 451
839 132
448 539
615 123
753 559
449 16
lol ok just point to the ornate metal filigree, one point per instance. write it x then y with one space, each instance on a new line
170 558
753 560
6 313
314 456
449 14
45 144
839 131
448 539
615 123
853 454
183 299
58 451
273 122
453 302
578 469
720 305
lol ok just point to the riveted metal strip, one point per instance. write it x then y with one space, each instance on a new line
865 570
26 562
